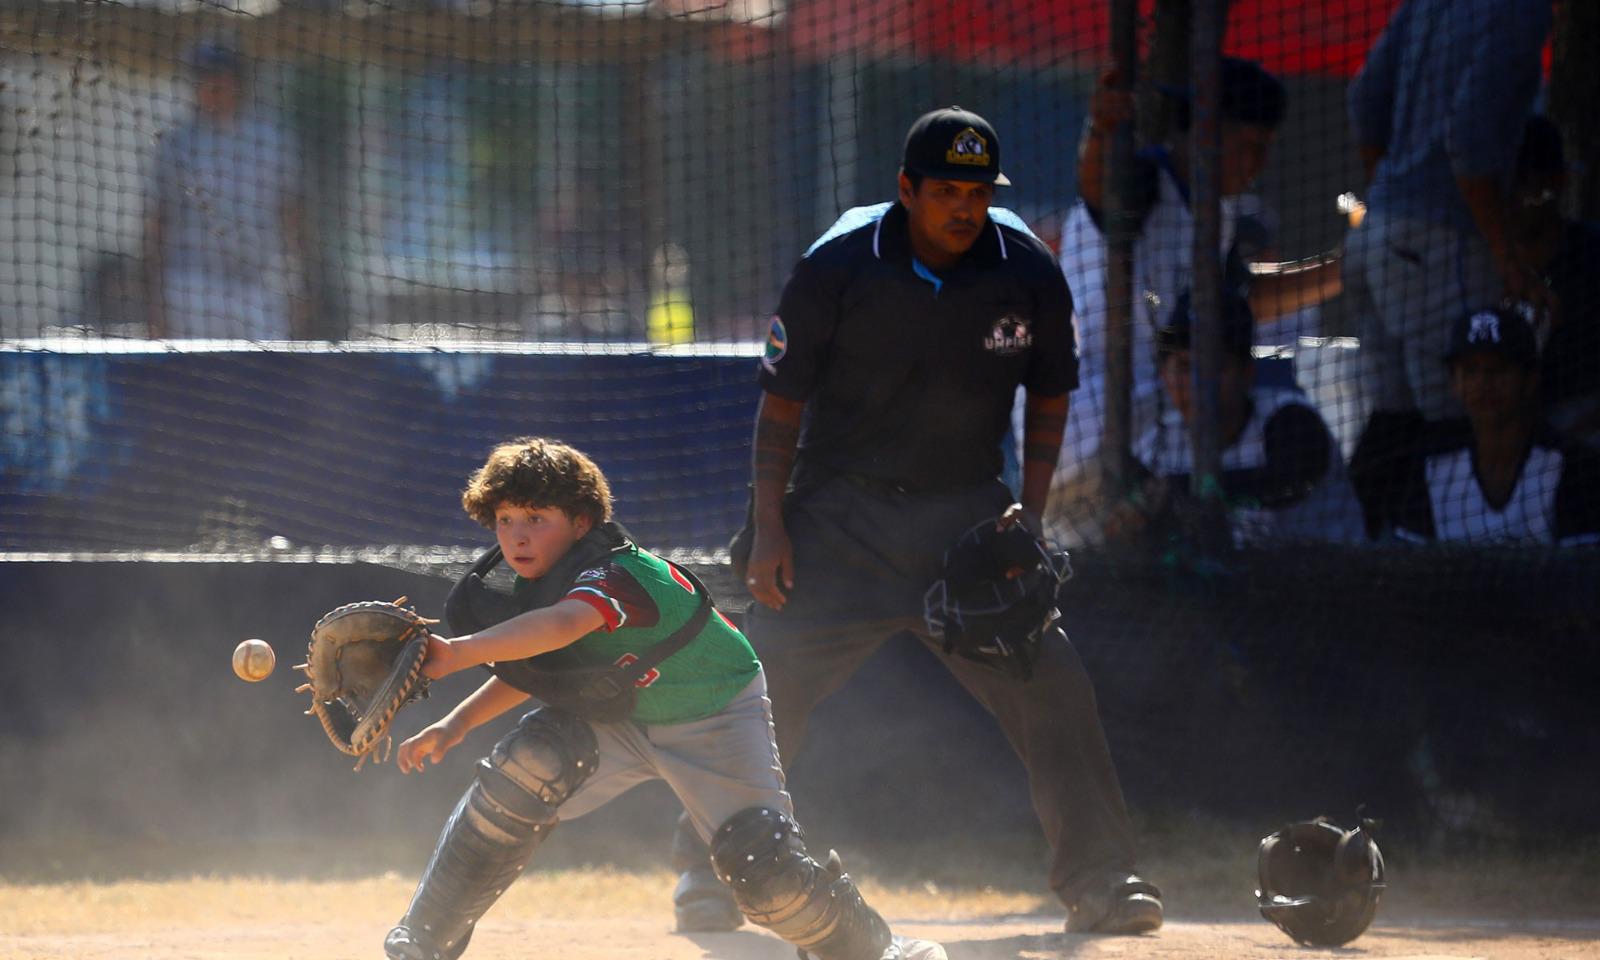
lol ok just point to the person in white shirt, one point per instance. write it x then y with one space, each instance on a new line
1253 103
1282 479
1501 475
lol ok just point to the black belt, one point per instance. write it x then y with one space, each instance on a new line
885 485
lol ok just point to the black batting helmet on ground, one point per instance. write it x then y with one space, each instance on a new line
1320 884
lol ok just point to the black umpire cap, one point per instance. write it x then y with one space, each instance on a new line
954 144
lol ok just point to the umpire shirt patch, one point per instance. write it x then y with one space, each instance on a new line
1010 335
777 345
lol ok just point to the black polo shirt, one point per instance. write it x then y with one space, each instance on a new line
909 377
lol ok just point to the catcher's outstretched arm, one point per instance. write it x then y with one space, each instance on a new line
524 635
476 709
484 704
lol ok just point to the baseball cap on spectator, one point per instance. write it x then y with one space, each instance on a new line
1248 94
212 57
1501 331
954 144
1238 327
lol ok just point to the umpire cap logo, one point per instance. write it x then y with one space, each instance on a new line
968 148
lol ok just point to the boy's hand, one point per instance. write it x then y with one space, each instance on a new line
431 743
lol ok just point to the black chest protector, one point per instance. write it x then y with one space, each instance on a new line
605 694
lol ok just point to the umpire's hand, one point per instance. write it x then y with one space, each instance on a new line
770 574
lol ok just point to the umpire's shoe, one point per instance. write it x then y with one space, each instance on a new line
1128 905
704 904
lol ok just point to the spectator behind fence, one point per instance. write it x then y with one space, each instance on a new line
1282 479
1501 475
1438 111
1252 106
1565 255
226 224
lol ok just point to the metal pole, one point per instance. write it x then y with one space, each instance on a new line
1116 446
1205 196
1574 90
838 146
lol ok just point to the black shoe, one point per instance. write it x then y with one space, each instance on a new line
1128 905
703 904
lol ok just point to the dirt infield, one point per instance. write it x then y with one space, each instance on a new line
602 914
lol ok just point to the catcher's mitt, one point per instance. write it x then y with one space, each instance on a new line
364 663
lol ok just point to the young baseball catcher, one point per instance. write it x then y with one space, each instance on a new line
639 677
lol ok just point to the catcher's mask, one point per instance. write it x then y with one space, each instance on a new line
1320 884
997 595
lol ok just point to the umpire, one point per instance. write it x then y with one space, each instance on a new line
889 376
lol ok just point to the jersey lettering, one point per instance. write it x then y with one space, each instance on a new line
650 676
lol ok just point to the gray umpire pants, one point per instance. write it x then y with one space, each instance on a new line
864 556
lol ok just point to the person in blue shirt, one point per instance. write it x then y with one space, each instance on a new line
1438 112
226 227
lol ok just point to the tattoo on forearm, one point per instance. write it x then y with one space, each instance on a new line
1040 452
775 444
1043 429
1046 425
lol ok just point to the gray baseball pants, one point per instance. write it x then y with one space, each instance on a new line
717 766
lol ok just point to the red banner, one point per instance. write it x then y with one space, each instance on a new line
1289 37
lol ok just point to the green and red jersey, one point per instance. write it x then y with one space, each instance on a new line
643 600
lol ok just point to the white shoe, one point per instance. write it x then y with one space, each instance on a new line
905 948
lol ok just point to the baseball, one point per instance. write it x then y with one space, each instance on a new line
253 660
